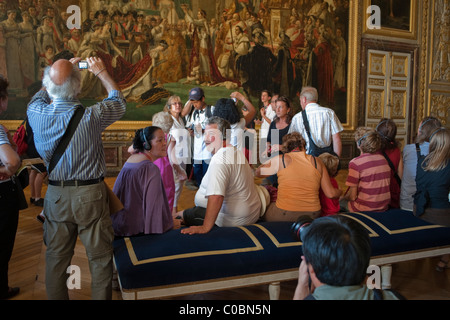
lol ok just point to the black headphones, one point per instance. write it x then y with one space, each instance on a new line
423 123
362 138
147 146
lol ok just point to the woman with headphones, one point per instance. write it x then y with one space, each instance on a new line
140 188
369 176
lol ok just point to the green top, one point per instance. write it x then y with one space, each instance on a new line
326 292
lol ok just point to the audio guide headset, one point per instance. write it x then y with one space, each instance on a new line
147 145
362 138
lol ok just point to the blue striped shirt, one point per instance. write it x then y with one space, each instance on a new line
84 158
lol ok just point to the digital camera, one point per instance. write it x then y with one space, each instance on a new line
83 65
299 226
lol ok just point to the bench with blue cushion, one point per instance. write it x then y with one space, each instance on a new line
171 264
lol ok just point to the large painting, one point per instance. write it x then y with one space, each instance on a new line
156 48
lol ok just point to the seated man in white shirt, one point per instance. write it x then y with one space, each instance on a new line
227 196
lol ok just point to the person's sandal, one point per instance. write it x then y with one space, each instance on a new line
442 265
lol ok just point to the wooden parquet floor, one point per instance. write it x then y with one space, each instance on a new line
416 280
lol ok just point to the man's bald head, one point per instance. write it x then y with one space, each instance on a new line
62 80
60 71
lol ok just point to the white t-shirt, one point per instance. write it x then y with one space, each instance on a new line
230 175
200 152
271 114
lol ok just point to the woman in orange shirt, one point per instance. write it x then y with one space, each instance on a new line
300 176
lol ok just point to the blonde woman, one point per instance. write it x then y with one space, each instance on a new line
178 146
433 184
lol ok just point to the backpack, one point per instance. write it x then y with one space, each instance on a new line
20 138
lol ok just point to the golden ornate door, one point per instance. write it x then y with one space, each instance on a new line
388 90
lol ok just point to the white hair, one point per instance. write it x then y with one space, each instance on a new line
68 90
310 93
163 120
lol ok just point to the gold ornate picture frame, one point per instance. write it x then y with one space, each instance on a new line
402 26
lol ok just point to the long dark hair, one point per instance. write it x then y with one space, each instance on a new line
387 129
226 109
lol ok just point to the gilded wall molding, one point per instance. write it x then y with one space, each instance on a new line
435 62
440 64
123 130
423 65
440 106
356 17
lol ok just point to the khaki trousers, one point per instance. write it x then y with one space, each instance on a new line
73 212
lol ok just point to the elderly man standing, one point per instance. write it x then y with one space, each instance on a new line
227 196
324 125
76 203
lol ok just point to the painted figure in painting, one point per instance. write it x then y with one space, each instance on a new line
202 53
46 35
27 50
12 46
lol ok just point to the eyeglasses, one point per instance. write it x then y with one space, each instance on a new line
177 104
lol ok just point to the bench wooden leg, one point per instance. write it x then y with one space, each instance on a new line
386 272
274 291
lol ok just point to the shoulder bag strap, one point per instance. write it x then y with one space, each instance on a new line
306 122
418 149
308 129
399 181
72 127
418 155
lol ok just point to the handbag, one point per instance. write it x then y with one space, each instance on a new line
20 139
23 176
21 180
313 148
